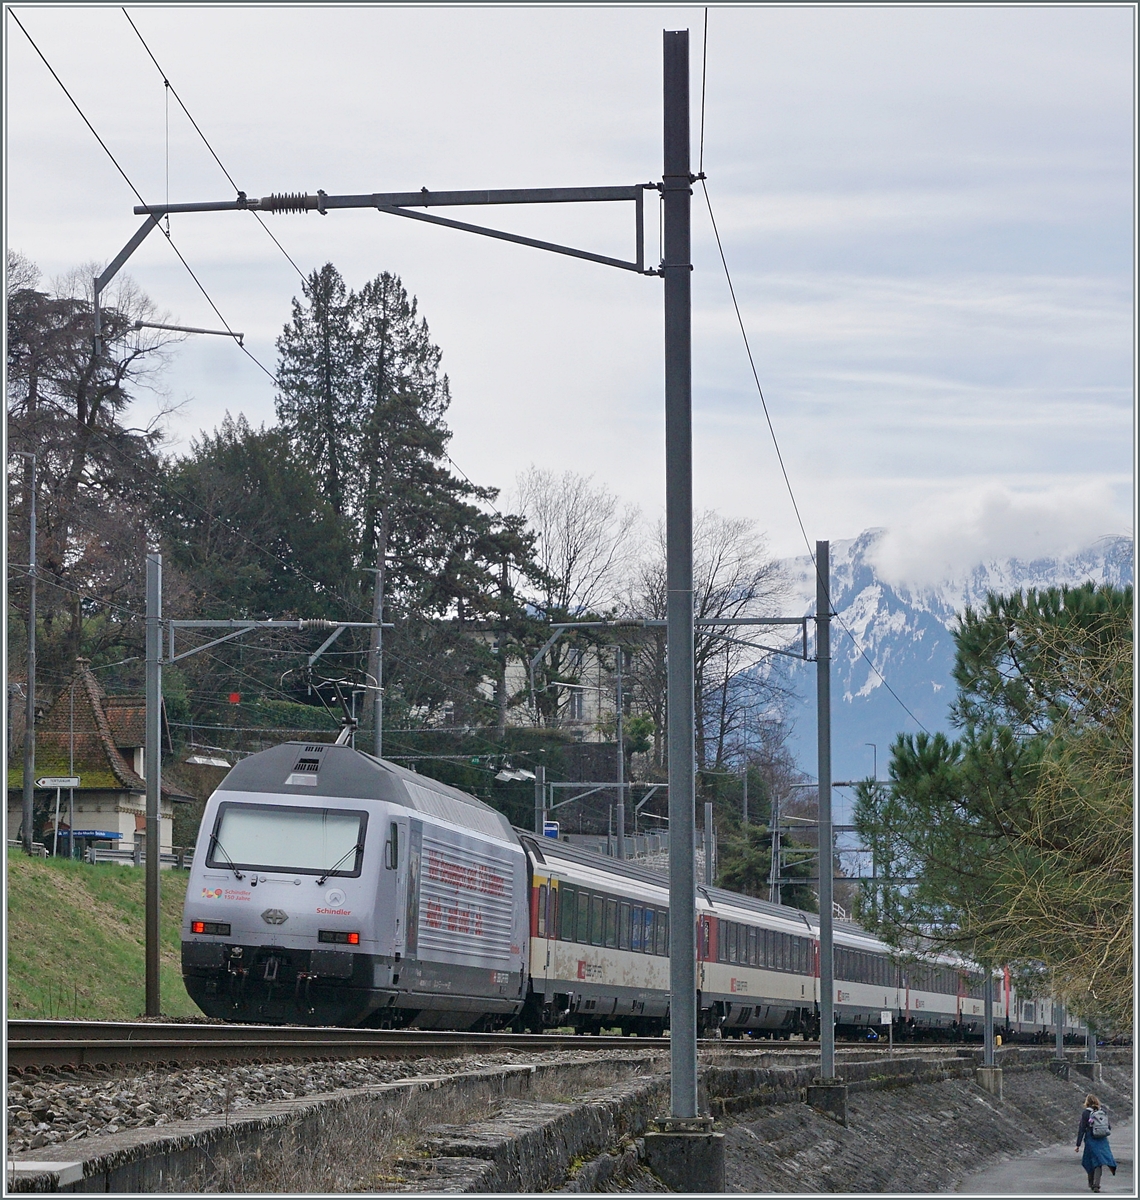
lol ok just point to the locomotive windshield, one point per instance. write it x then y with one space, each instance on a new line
272 837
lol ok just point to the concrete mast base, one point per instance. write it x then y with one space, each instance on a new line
989 1080
829 1096
1090 1070
686 1155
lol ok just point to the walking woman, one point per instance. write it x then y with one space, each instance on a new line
1093 1131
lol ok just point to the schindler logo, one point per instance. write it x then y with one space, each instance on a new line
274 916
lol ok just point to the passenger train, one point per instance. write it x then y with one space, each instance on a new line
329 887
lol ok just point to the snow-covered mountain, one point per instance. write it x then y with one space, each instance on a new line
904 629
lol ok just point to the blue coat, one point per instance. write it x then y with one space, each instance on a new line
1098 1153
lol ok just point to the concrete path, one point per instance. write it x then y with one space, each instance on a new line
1055 1171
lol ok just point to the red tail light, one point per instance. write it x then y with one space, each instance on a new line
338 935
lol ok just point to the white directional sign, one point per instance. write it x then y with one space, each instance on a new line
884 1017
58 781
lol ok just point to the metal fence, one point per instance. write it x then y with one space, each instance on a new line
179 858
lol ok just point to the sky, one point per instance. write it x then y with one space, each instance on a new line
927 213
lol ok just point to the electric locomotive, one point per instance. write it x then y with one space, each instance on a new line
329 887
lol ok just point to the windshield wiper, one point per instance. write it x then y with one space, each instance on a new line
350 850
214 841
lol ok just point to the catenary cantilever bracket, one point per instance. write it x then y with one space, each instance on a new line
239 627
401 204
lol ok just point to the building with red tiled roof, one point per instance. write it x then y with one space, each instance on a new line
100 739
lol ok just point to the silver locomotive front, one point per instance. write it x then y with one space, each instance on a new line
318 887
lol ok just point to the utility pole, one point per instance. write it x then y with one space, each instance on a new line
826 865
708 843
744 804
677 268
539 799
71 769
988 1018
620 763
30 690
774 844
501 698
376 655
152 757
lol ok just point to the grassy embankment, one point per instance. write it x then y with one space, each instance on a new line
76 939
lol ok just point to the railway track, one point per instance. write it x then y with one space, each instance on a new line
108 1043
41 1044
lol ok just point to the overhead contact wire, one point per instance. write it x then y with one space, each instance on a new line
206 141
760 391
138 195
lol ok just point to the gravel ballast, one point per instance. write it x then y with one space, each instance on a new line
45 1109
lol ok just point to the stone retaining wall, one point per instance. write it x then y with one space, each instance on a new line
529 1145
533 1147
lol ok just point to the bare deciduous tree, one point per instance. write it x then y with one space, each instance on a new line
585 546
733 576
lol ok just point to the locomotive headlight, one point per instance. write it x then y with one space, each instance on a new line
340 936
221 928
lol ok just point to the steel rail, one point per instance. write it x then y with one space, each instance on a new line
43 1044
77 1043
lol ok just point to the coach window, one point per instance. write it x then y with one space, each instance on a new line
552 911
597 918
583 933
542 910
611 923
733 933
663 933
635 941
650 929
566 924
623 926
